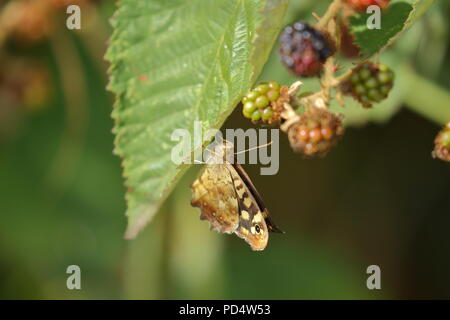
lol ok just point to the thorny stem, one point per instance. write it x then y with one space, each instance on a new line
343 76
328 81
331 12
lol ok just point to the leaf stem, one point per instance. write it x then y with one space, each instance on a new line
62 168
427 99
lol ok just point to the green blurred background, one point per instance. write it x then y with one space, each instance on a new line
377 198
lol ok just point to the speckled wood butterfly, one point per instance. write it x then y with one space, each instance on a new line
229 201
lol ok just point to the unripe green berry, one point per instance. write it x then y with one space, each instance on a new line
252 95
371 83
375 95
273 95
359 89
354 78
364 74
445 138
262 88
262 102
274 85
365 99
246 113
267 114
384 77
257 103
256 115
248 109
382 67
385 89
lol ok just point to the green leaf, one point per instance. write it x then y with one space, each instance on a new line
174 62
398 18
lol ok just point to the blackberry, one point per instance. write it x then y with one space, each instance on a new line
369 83
304 49
316 132
262 103
442 144
362 5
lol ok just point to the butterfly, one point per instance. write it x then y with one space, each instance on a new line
230 202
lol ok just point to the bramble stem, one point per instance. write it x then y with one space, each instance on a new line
331 12
328 81
343 76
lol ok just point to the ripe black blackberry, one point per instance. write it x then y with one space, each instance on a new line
304 49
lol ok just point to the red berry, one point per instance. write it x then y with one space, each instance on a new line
362 5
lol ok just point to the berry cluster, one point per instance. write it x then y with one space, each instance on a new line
442 144
362 5
316 132
369 83
308 51
258 104
304 49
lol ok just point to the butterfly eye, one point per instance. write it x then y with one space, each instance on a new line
257 229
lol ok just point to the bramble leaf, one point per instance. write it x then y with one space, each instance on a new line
399 17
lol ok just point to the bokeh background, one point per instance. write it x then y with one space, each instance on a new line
377 198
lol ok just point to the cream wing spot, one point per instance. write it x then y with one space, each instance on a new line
247 202
245 215
238 184
257 218
240 192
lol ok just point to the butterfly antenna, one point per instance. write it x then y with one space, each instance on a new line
212 151
257 147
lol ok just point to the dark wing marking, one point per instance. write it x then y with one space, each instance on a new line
252 225
246 179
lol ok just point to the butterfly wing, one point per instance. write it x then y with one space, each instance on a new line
253 215
258 199
213 192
